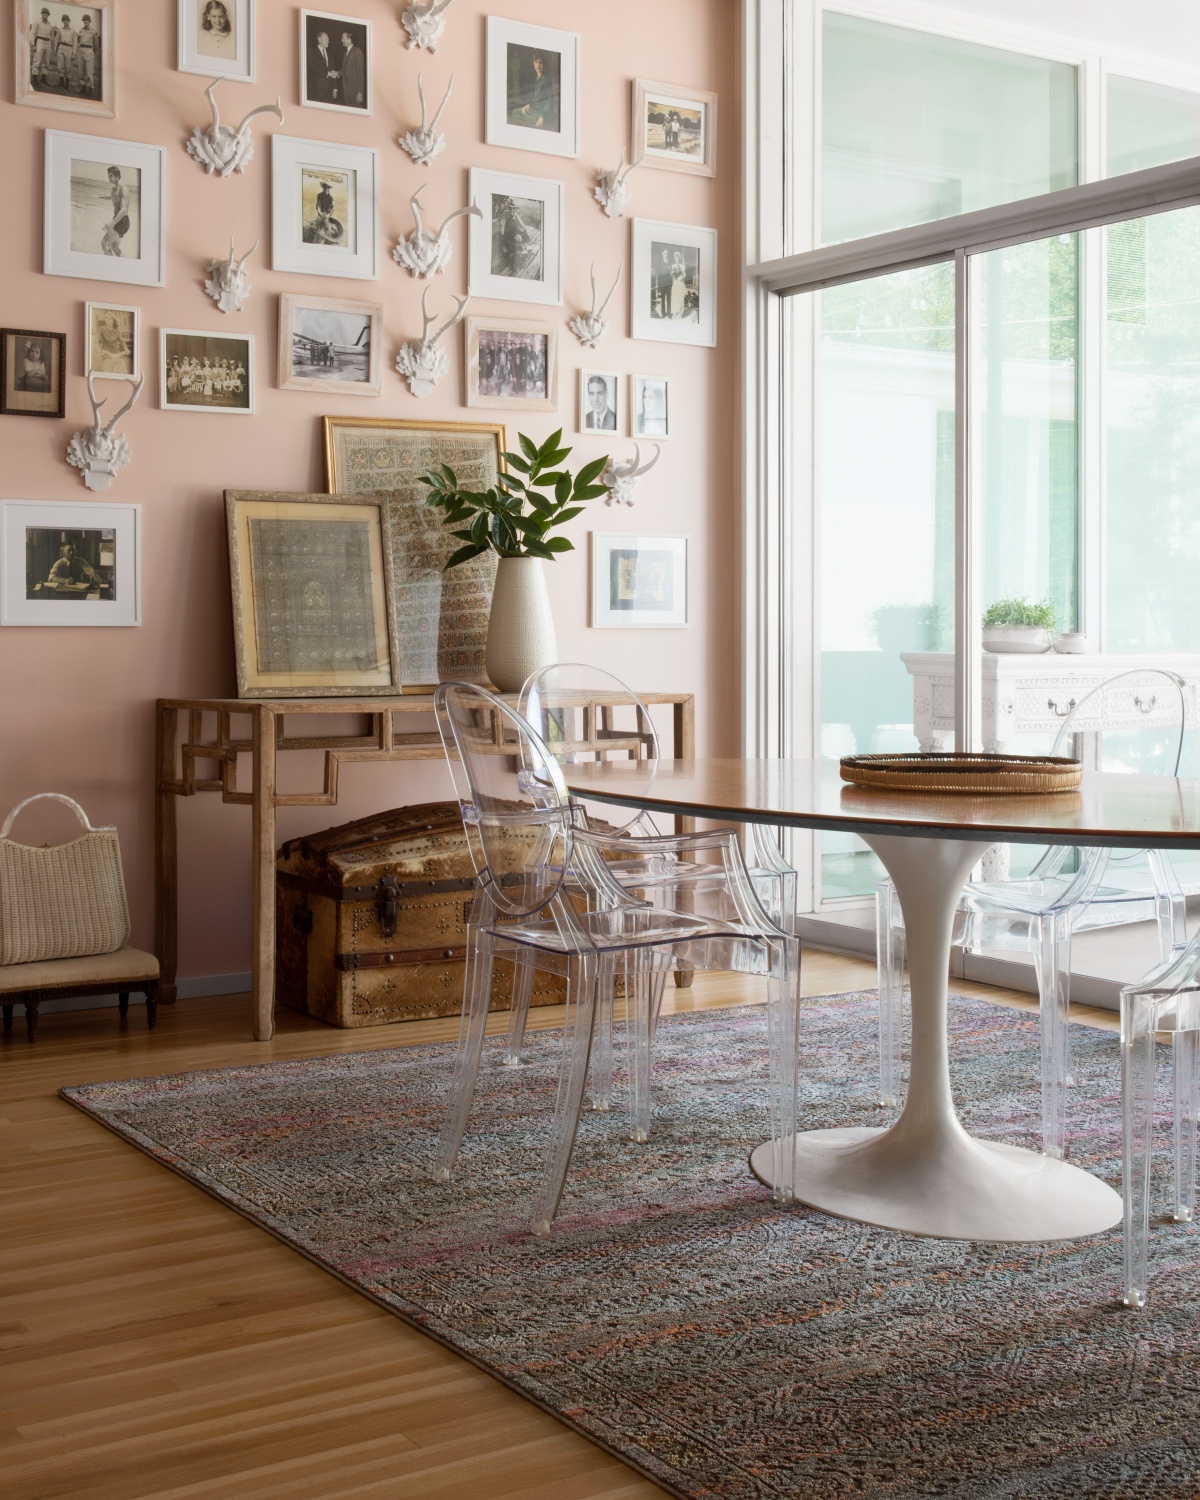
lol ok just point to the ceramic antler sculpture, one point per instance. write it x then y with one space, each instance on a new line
423 252
612 188
420 361
222 149
622 479
100 452
425 20
590 328
424 143
227 284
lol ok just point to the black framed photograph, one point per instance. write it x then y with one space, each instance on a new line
64 56
673 289
216 38
335 62
69 563
649 406
31 373
516 248
206 371
512 363
532 87
331 345
599 401
675 128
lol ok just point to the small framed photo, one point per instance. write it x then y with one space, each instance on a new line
649 406
64 56
638 580
201 371
70 563
599 401
31 373
673 289
674 128
512 363
335 62
326 344
517 246
532 87
103 213
216 38
324 208
110 341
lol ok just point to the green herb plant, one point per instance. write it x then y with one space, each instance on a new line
515 515
1021 612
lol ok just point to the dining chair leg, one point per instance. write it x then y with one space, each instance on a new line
600 1091
889 948
522 992
1184 1063
572 1081
783 985
477 992
1051 938
1170 904
645 973
1137 1108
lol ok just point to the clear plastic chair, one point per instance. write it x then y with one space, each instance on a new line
1067 891
545 896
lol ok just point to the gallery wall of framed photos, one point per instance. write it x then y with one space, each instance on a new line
114 272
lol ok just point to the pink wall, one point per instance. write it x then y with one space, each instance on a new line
77 703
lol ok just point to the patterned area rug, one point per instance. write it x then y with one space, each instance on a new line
720 1345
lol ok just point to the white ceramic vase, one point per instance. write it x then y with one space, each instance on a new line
1018 639
520 637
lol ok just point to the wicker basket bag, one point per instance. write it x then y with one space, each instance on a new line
65 901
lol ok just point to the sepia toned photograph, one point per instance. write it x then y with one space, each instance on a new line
216 31
104 217
650 406
326 212
326 344
31 373
216 38
106 211
63 57
673 288
69 563
62 565
517 237
638 581
674 127
335 62
533 96
206 371
512 363
599 401
110 348
516 248
324 208
532 87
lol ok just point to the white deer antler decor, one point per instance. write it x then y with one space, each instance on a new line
622 479
612 188
424 143
423 252
590 328
420 361
99 452
425 20
220 148
227 284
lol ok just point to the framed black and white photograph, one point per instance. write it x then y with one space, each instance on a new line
673 289
69 563
599 401
327 344
64 56
638 581
324 208
32 366
649 406
335 62
201 371
517 246
103 216
512 363
110 341
674 128
532 87
216 38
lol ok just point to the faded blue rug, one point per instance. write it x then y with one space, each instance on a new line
718 1344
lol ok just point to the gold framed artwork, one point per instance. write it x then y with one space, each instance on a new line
441 618
64 56
311 581
674 128
512 363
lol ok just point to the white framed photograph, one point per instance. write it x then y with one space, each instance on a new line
532 87
649 406
216 38
335 62
70 563
324 208
201 371
516 248
673 288
599 401
674 128
64 56
110 341
512 362
327 344
103 212
638 581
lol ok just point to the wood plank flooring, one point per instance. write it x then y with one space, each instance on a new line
156 1346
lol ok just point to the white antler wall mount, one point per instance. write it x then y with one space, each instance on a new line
622 479
424 252
220 148
425 20
227 284
589 328
424 143
99 452
421 361
612 188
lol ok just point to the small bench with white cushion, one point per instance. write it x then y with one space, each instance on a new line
121 972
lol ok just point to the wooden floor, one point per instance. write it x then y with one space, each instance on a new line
155 1344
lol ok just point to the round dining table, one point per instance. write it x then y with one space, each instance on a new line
925 1174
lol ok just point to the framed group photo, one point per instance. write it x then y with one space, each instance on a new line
32 370
327 344
110 341
64 56
201 371
532 87
335 62
70 563
216 38
649 406
103 212
638 581
512 363
673 288
516 248
599 401
674 129
324 208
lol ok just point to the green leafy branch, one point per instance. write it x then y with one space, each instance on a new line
1021 612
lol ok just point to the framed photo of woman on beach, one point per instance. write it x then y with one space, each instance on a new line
103 210
216 38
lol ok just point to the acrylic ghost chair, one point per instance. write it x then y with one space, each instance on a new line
545 895
1062 894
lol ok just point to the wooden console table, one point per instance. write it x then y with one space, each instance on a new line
209 739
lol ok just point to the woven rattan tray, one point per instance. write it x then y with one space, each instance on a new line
972 774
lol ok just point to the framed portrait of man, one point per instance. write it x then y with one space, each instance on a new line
516 248
70 563
31 373
532 87
335 62
103 214
64 56
216 38
599 401
324 208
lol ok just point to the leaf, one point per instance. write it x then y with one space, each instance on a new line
517 462
539 549
526 526
560 544
527 448
464 554
479 530
590 473
562 490
552 476
551 459
568 515
593 492
550 444
507 533
542 504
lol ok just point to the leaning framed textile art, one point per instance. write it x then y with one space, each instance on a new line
441 618
311 580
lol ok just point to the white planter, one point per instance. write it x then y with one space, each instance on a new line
520 636
1028 639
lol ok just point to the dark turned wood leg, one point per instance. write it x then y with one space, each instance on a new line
31 1018
123 1003
151 993
8 1010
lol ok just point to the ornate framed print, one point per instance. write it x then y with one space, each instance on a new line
103 211
649 406
110 341
324 208
673 288
327 344
638 581
201 371
532 87
517 246
599 401
70 563
216 38
64 56
335 62
311 580
512 363
674 128
32 373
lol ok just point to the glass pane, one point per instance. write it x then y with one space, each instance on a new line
1149 125
918 127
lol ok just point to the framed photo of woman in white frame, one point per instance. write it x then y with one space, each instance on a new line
324 208
516 248
216 38
674 128
532 87
64 56
673 288
104 216
649 406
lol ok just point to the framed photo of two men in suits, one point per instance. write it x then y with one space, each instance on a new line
335 62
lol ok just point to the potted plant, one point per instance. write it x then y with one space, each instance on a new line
1016 625
513 519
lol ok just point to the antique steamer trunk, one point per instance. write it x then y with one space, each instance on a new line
371 921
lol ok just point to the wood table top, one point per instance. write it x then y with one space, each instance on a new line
1108 810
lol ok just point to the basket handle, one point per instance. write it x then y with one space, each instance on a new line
37 797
